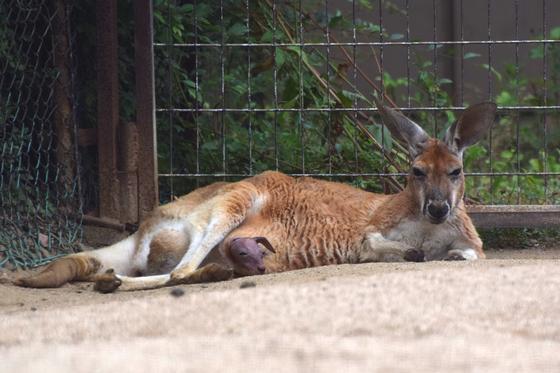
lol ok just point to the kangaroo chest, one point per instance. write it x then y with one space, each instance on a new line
433 239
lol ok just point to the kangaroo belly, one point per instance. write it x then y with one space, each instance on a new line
166 250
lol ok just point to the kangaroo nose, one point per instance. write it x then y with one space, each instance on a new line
261 269
438 209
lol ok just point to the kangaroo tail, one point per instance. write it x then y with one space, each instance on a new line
82 266
61 271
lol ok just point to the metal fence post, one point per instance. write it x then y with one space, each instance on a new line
107 108
145 107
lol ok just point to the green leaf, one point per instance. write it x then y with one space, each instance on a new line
493 70
537 53
336 20
555 33
238 29
280 57
505 99
366 4
298 50
507 154
470 55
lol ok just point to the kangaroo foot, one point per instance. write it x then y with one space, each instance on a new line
107 282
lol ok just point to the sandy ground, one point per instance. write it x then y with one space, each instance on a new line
496 315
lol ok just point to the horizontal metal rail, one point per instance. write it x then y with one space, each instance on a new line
363 174
515 216
359 44
333 109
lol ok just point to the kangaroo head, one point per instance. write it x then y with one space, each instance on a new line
436 180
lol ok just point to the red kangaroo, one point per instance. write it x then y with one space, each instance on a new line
308 222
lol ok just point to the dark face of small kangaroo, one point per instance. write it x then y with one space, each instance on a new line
436 177
247 256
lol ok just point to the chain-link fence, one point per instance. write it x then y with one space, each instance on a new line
40 209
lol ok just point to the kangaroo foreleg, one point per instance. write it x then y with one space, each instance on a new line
376 248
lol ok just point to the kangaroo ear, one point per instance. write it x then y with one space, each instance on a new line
475 121
266 243
404 129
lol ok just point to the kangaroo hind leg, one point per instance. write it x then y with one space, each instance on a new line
215 220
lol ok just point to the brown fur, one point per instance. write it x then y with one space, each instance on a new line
57 273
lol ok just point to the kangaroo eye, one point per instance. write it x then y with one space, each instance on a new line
418 172
243 253
455 172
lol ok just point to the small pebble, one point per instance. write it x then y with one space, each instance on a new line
177 292
33 309
247 284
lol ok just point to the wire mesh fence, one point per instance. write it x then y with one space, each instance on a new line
247 86
39 204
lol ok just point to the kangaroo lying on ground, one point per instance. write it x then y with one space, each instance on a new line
309 222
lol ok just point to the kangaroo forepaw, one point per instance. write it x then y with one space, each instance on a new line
454 257
414 255
107 282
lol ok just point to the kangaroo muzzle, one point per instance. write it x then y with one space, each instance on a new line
437 211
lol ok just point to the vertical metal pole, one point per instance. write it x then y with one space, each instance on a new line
275 78
545 103
435 70
301 100
386 187
490 98
197 90
516 116
170 102
107 108
459 52
223 87
249 97
355 82
408 53
145 107
330 140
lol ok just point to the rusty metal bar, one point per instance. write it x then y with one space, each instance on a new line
516 216
145 107
107 108
103 222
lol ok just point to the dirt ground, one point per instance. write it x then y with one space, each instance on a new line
495 315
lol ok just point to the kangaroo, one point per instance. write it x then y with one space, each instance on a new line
309 222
